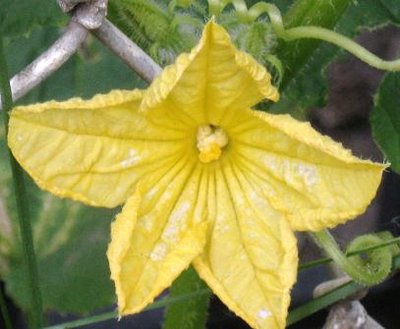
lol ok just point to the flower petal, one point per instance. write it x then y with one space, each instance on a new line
250 260
211 79
156 236
84 149
311 178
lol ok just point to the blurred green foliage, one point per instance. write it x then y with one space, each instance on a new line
385 119
20 17
71 239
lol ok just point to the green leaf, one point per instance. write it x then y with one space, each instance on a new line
392 6
369 14
193 313
346 16
385 119
304 61
307 12
306 85
18 17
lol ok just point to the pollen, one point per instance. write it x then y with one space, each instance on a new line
210 142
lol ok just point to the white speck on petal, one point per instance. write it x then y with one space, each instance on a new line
176 222
309 174
270 163
287 172
131 159
159 252
168 194
222 228
170 234
178 214
253 235
263 314
257 200
19 138
152 192
147 222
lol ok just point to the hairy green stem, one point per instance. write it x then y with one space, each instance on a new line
315 32
303 32
342 42
295 315
215 7
112 315
337 294
4 312
326 260
35 309
367 273
322 13
303 311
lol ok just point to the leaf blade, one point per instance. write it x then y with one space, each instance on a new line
385 119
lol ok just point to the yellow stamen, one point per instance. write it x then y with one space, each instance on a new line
210 141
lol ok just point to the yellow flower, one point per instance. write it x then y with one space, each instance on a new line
205 180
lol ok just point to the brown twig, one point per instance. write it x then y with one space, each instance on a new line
130 53
49 61
84 18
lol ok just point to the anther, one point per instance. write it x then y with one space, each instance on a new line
210 142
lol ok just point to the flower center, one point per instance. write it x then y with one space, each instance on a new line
210 141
